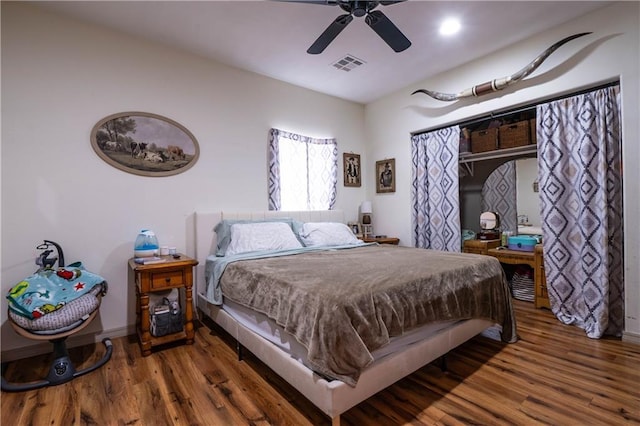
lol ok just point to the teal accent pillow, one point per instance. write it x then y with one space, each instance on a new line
223 230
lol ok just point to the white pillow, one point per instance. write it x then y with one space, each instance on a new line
327 234
246 237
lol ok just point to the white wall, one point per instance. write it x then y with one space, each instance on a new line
611 52
60 77
528 201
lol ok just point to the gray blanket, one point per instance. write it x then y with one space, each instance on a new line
342 305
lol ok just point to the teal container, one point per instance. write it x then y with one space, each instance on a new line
522 243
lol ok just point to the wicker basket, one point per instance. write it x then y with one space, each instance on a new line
515 134
484 140
532 131
465 140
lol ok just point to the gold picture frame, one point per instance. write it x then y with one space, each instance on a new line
352 169
356 228
386 175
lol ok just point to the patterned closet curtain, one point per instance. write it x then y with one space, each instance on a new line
434 190
579 169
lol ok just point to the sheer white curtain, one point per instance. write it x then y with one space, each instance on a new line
579 170
303 172
434 189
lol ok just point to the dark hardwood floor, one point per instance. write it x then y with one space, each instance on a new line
554 375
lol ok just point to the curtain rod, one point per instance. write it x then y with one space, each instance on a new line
525 108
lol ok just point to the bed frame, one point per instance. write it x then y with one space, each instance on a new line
332 397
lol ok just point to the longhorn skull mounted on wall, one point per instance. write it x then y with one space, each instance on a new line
500 83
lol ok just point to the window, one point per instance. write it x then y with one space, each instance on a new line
303 172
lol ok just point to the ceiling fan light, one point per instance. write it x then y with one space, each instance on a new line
449 26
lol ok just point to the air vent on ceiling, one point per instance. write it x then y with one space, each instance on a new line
348 63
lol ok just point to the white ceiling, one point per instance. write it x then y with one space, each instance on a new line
271 37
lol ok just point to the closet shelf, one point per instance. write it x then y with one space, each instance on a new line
499 153
468 159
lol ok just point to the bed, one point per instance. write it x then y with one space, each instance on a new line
380 358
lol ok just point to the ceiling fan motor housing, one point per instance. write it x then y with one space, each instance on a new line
359 8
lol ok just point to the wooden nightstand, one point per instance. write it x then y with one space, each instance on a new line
174 273
381 240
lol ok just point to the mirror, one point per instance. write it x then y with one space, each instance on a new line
527 196
509 191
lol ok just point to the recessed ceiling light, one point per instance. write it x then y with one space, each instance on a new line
449 26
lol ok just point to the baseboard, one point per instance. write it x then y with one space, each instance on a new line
630 337
72 342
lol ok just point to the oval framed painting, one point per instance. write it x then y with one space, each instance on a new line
144 144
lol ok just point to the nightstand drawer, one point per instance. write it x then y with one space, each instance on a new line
167 279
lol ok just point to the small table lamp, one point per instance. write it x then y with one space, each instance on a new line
366 210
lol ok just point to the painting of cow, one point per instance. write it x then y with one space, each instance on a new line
175 153
137 148
113 146
145 144
154 157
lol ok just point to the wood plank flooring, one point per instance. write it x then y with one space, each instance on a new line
554 375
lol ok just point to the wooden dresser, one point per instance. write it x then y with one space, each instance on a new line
479 246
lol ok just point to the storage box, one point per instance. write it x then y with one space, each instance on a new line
532 131
514 134
465 140
484 140
522 243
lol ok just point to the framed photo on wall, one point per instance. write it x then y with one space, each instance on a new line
356 228
386 175
352 170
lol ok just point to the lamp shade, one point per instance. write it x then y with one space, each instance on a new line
365 207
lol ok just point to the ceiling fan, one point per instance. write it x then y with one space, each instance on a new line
377 20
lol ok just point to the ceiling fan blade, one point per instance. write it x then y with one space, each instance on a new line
387 3
323 2
386 29
329 34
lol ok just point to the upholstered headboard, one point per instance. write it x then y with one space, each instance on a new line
203 240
